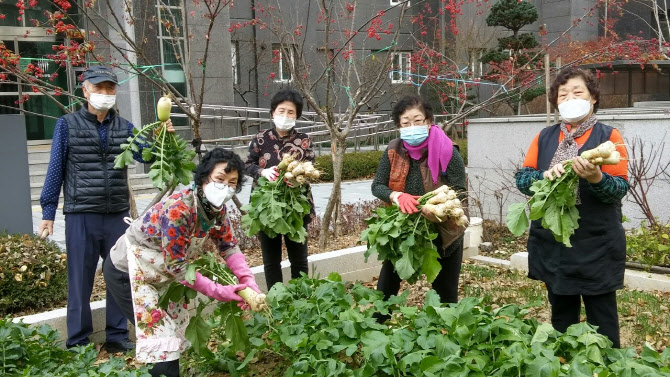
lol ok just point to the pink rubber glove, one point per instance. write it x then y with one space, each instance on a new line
240 268
407 202
223 293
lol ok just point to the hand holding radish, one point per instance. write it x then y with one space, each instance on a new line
280 202
406 238
270 173
443 204
556 171
297 173
46 228
584 169
554 200
406 202
430 216
170 157
168 126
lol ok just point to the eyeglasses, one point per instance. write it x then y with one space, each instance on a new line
221 185
416 122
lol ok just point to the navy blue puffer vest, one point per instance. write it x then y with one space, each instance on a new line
91 183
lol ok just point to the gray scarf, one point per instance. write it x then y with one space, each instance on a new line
567 148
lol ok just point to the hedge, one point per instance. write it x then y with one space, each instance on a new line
463 148
356 165
359 165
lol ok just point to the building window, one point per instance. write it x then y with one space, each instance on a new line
476 66
171 39
283 61
402 68
664 24
235 61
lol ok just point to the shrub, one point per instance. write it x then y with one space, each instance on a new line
29 351
355 165
33 273
463 148
649 245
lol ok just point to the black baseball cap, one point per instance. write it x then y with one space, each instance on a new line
96 74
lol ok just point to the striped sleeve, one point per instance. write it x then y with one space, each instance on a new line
610 189
525 178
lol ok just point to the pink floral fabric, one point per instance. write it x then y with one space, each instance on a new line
159 247
171 227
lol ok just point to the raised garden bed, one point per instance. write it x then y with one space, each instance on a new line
326 328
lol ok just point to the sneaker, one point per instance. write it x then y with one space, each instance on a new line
124 345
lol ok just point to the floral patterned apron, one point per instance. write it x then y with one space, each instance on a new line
159 332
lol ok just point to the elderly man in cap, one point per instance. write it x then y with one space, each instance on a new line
96 199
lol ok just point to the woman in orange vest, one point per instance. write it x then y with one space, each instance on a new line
422 159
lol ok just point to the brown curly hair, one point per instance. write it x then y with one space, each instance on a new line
571 72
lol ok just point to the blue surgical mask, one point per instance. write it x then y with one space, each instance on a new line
414 135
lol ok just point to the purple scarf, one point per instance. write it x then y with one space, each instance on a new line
440 149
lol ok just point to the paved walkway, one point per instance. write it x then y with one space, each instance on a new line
352 192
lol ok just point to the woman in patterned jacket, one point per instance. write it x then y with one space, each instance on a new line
266 151
157 248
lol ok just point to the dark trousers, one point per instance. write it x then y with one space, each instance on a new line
271 247
118 284
89 236
601 311
445 284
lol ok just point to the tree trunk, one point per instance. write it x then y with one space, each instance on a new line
336 193
338 217
131 197
195 125
338 205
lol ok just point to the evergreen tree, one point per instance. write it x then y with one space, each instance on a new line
513 15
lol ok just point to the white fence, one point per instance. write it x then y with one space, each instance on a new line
368 131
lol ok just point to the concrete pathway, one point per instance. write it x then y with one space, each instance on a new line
352 192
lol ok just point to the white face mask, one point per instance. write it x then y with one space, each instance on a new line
574 110
102 102
218 193
283 123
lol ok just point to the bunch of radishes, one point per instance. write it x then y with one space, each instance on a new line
603 154
444 205
297 173
554 201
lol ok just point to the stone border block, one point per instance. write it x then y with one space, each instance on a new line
646 281
491 261
519 261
